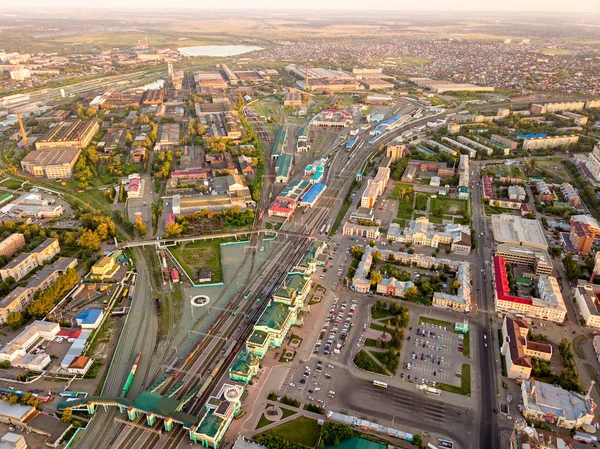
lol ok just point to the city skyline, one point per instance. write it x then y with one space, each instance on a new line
540 6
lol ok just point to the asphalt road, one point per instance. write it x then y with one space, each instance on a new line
416 409
488 425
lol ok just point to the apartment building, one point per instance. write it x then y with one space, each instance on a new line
518 350
365 231
12 244
549 306
21 297
570 195
511 144
23 264
540 109
584 229
535 259
542 143
55 163
593 163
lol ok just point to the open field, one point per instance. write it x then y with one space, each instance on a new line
195 255
301 430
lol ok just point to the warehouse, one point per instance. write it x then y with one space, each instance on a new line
518 231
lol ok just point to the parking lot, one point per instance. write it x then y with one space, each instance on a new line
313 380
433 354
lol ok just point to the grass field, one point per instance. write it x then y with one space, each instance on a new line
421 203
426 319
195 255
465 383
301 430
405 203
442 206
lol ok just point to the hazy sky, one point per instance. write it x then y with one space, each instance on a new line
472 5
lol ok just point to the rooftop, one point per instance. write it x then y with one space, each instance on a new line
519 231
52 156
548 399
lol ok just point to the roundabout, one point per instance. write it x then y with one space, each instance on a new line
199 300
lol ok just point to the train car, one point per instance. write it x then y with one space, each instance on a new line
174 275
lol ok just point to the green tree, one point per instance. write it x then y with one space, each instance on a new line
67 415
376 277
14 319
141 228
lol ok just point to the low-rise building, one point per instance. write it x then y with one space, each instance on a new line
570 195
168 136
517 350
16 351
551 404
516 193
368 231
393 287
588 303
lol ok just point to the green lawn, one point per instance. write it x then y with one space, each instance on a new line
301 430
287 412
465 383
426 319
405 206
467 345
340 216
263 421
421 201
441 206
195 255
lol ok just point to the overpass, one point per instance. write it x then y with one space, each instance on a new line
167 242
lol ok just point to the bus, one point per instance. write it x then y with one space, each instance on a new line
379 384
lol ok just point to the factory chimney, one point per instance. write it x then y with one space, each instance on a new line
170 68
589 392
23 134
306 80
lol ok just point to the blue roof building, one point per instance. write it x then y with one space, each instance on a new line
311 197
90 318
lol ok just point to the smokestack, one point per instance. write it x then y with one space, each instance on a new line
23 134
170 68
306 81
589 392
79 140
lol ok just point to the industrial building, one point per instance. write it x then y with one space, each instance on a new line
321 79
168 136
76 134
518 231
54 163
517 350
332 118
439 86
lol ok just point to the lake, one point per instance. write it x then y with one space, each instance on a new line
218 50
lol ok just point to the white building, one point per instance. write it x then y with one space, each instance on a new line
593 163
16 351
